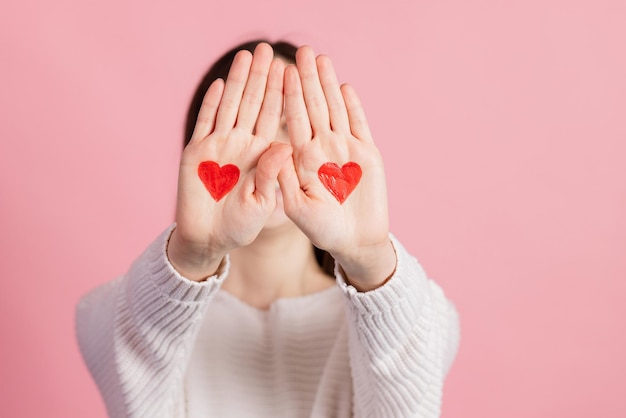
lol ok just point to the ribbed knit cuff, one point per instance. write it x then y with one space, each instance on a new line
170 283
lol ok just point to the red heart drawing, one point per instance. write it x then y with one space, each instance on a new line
340 182
218 181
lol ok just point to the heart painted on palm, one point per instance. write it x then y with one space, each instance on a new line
218 180
340 181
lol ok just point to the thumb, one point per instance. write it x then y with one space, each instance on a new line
268 167
289 185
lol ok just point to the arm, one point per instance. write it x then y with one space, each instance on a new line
136 334
403 340
404 332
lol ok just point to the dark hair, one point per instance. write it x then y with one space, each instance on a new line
220 69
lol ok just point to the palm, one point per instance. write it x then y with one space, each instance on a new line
361 218
236 218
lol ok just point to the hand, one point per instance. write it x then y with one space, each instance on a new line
236 125
326 123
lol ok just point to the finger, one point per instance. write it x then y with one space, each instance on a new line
267 169
254 91
334 99
298 123
208 110
356 114
233 90
312 90
272 109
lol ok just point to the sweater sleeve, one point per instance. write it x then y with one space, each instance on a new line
136 334
402 340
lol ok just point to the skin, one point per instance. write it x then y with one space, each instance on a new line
262 227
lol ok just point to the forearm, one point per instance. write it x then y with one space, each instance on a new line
135 334
402 341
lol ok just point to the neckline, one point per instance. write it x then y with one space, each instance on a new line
295 300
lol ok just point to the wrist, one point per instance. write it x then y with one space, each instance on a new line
194 262
369 267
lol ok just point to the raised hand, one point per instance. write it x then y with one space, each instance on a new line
228 171
335 189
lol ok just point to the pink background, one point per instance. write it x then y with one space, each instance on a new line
503 128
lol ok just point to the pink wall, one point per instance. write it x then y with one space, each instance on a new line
502 124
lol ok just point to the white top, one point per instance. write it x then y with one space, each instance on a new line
159 345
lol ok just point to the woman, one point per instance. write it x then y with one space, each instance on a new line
229 312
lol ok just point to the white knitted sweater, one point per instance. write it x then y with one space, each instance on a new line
159 345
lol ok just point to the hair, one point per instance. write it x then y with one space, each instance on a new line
220 69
